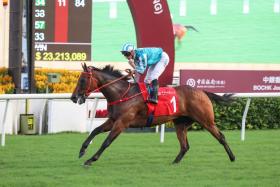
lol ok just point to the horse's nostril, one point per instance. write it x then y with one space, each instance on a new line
81 100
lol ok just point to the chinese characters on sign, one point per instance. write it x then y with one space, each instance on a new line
241 81
271 83
205 83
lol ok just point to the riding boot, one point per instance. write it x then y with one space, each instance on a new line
153 98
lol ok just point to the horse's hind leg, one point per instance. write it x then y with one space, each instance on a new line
213 129
181 130
107 126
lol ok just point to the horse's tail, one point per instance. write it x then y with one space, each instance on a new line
190 27
224 99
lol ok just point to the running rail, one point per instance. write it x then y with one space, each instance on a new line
8 97
242 95
249 96
96 96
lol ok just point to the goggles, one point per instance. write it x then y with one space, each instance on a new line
126 53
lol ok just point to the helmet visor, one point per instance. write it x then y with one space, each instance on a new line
126 53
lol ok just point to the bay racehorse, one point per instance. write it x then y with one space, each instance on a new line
180 31
127 108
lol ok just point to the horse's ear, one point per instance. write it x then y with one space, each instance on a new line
85 67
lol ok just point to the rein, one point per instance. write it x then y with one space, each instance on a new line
112 82
109 83
124 99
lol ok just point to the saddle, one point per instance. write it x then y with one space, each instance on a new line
168 102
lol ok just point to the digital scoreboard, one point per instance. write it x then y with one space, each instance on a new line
62 30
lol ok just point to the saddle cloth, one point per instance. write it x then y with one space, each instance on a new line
168 103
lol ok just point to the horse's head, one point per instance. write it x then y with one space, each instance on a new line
86 84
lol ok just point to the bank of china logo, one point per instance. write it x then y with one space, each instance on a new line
191 82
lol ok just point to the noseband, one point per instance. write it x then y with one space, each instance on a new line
92 80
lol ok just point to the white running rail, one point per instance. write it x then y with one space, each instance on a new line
8 97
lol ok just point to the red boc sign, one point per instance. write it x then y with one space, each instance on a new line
154 28
232 81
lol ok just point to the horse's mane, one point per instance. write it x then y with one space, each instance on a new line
108 69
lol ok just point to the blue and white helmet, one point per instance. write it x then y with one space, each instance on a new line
128 47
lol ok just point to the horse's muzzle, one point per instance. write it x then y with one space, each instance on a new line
80 98
74 98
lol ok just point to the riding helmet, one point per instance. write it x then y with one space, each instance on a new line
128 47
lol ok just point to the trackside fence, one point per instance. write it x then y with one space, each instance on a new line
9 97
96 97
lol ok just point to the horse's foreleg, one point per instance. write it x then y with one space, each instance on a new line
107 126
181 131
118 127
221 138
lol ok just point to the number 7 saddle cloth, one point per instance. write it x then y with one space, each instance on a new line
168 102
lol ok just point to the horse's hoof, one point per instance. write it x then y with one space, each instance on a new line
88 163
85 166
82 153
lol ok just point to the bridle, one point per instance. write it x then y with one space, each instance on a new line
93 80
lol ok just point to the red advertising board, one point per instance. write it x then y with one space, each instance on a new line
153 27
232 81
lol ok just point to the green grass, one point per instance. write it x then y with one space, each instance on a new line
230 36
140 160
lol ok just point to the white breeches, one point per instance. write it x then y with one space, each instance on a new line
157 69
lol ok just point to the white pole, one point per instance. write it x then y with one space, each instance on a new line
50 108
4 124
94 108
246 7
162 129
16 117
113 10
93 114
41 116
213 7
183 7
244 119
276 7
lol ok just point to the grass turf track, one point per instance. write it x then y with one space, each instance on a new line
138 159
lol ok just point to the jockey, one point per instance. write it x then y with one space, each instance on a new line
153 58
